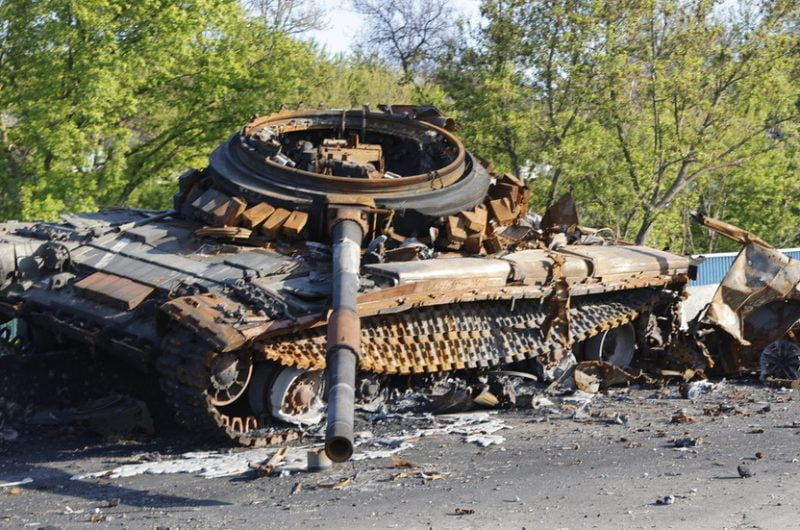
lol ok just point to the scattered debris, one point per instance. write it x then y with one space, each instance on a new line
681 416
485 440
209 464
619 419
694 390
666 501
586 381
425 476
214 464
593 376
465 424
725 408
22 482
744 471
400 463
486 399
336 485
540 402
269 467
687 442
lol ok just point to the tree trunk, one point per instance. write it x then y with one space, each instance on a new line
644 228
551 193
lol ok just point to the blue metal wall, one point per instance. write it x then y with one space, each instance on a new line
715 266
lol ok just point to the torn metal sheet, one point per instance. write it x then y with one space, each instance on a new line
757 277
757 302
561 216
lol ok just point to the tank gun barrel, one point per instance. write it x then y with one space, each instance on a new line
344 334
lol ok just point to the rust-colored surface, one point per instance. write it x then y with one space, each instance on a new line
561 216
272 225
757 277
344 328
757 302
205 316
730 231
253 217
116 291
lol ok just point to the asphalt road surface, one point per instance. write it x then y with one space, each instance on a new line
615 463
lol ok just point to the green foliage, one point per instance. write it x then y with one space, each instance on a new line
102 100
643 110
352 82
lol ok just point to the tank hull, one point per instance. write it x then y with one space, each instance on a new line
228 298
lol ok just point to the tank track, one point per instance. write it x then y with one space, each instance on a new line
475 335
183 377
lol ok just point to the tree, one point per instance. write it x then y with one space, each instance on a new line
354 81
102 101
695 96
525 80
406 33
638 108
287 16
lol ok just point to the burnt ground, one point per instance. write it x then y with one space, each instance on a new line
605 465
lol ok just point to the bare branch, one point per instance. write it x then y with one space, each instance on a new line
407 33
287 16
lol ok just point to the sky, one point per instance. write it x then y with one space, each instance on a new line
344 24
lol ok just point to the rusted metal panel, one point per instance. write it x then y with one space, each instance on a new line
228 213
607 263
757 303
758 276
272 225
612 262
561 216
503 210
205 315
114 290
295 224
253 217
730 231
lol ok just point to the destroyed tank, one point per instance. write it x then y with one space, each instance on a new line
323 250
